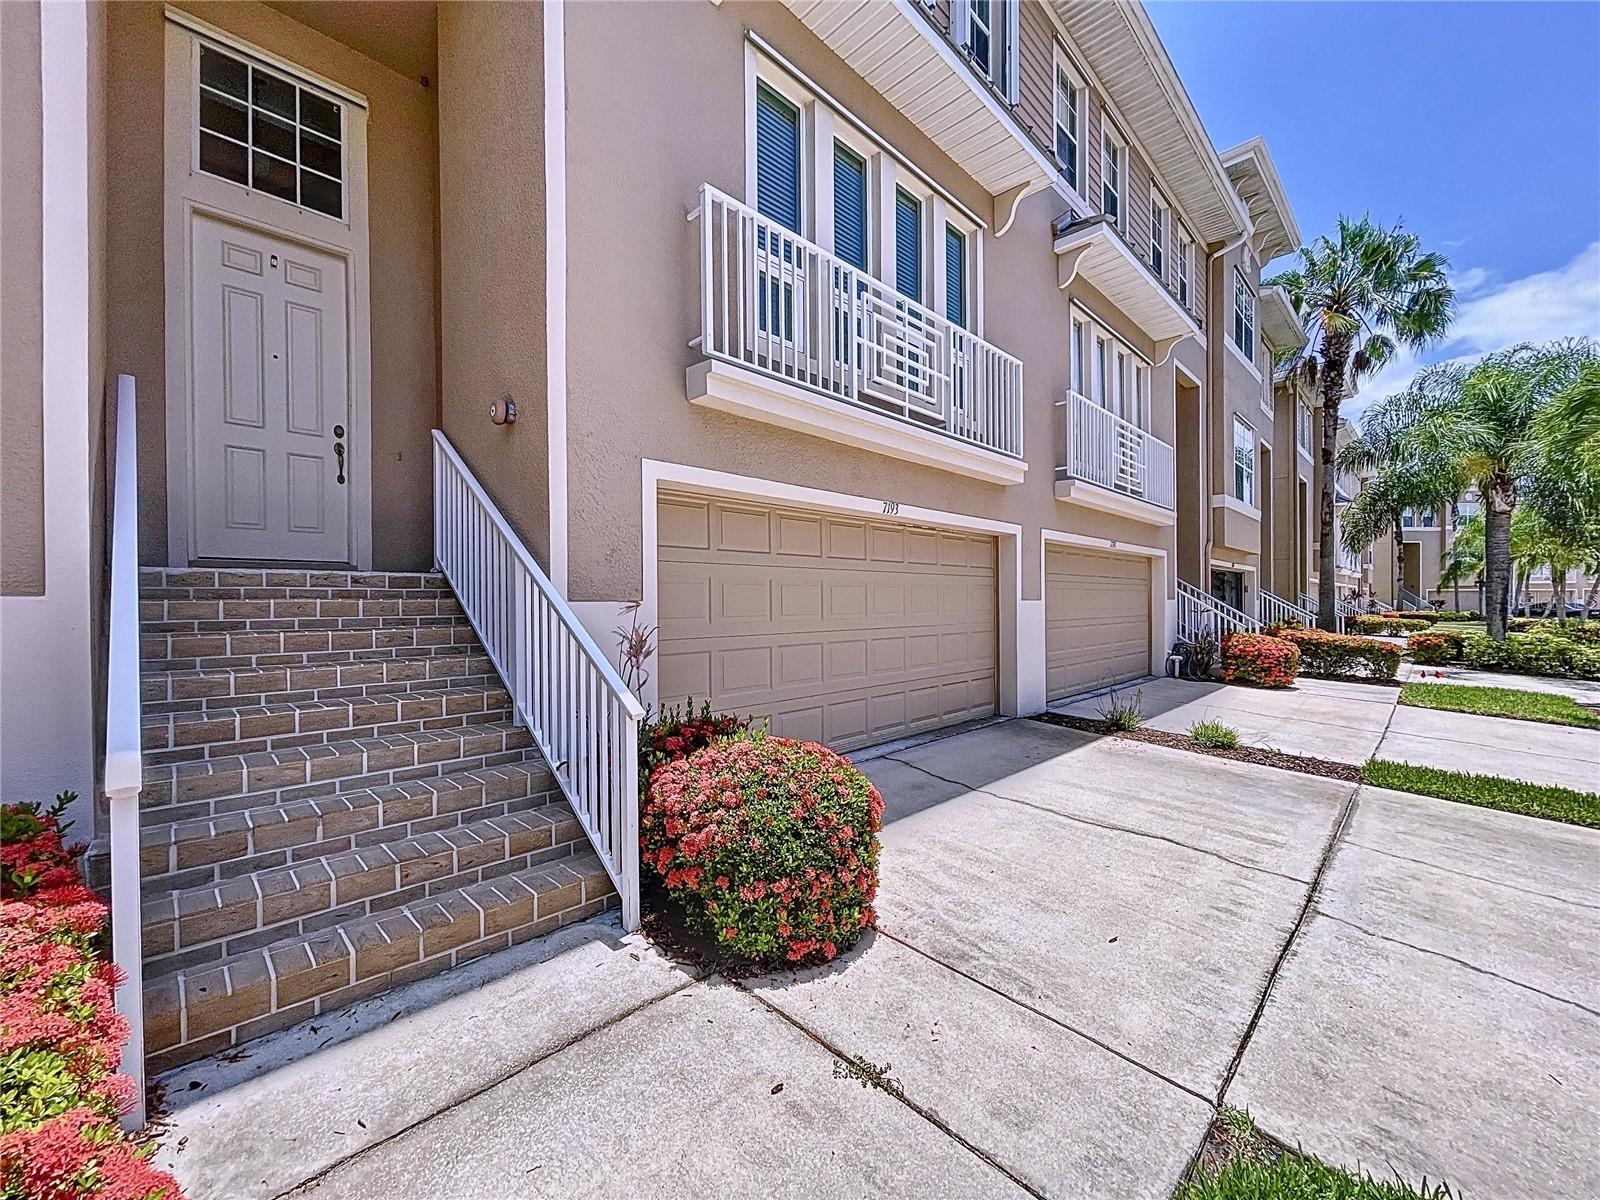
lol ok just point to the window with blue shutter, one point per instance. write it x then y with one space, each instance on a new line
908 244
849 206
777 158
955 275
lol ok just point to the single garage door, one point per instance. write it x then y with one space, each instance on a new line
1097 619
837 629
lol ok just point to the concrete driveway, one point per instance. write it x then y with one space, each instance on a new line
1085 944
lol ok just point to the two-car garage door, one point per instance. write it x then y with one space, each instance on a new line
1097 619
840 629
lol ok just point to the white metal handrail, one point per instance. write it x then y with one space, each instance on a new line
580 713
1308 602
123 775
1200 612
1104 449
772 301
1411 602
1273 609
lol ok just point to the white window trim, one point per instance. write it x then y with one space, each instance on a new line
1159 204
822 122
1003 31
1249 502
1110 133
1142 368
1183 256
1064 64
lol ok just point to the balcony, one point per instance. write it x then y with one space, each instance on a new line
1094 250
1113 465
796 337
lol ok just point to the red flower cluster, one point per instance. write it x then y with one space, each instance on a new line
60 1035
677 734
771 843
1259 659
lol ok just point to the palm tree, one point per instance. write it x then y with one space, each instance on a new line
1362 294
1484 420
1463 556
1399 476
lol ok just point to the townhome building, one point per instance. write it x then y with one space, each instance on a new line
868 368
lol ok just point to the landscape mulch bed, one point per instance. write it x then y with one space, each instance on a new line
661 920
1260 756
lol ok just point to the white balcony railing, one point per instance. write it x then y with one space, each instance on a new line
775 303
1273 609
1104 449
1200 612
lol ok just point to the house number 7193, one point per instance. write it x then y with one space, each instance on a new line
891 507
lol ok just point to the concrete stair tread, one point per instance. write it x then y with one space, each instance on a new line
197 1010
274 902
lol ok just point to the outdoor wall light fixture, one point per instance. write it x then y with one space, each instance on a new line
503 411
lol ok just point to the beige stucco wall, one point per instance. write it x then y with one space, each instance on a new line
1291 469
492 253
21 315
402 174
644 133
1236 538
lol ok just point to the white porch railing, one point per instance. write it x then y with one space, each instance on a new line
1200 612
776 303
1271 609
1308 602
1411 602
580 713
123 776
1104 449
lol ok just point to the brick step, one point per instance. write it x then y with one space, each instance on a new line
226 583
285 624
212 786
250 614
194 925
248 729
267 646
202 850
233 687
203 1009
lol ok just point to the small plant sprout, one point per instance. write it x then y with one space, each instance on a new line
1119 713
1214 735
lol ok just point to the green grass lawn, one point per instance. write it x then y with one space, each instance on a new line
1488 791
1500 702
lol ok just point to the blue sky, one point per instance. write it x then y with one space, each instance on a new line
1478 124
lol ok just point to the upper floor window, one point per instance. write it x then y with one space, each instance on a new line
1244 462
1158 235
1112 158
988 31
1244 316
908 244
1069 98
955 275
269 132
1302 427
1108 371
778 163
1184 255
1419 518
850 206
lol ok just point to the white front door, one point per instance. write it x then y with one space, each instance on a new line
270 395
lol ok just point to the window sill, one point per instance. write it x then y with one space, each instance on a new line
1245 362
1234 504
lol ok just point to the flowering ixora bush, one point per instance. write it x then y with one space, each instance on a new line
771 845
60 1036
678 733
1259 659
1436 647
1392 624
1342 655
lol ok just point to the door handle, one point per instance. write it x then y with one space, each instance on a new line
338 450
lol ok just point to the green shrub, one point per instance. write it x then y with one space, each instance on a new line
1534 654
1392 624
678 733
1260 660
770 844
1342 655
1214 735
1584 632
1291 1177
1466 614
1437 646
1488 791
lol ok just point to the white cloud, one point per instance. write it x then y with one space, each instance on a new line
1492 315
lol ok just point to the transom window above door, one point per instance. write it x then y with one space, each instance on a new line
263 130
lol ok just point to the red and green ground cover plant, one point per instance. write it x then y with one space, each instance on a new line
1259 659
769 844
679 732
1330 655
60 1036
1395 625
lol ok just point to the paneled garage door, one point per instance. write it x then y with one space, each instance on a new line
1097 619
839 629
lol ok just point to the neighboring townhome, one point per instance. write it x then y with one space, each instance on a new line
884 367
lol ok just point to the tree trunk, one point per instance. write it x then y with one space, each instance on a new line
1335 355
1399 560
1500 502
1455 573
